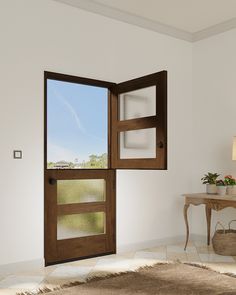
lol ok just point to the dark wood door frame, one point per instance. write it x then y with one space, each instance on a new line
57 251
79 80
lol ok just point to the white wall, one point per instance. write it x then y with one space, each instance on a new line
45 35
214 114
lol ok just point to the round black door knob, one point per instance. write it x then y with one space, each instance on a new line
52 181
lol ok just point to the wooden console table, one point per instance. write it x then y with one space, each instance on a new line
211 202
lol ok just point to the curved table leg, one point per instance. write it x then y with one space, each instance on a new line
208 218
186 206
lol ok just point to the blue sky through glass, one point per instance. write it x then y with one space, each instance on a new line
76 121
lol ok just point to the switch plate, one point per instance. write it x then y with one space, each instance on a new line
17 154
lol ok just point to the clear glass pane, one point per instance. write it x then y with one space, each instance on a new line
80 225
80 191
137 104
77 134
138 144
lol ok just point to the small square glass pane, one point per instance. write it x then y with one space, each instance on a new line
80 225
138 144
81 191
137 104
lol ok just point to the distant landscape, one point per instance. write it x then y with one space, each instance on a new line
94 162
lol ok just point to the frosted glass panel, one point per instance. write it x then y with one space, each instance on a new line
138 144
137 104
80 225
80 191
77 126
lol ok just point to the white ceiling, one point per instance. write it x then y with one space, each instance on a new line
189 15
190 20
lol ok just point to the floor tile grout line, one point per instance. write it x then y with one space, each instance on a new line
132 259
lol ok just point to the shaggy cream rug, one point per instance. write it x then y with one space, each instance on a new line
161 279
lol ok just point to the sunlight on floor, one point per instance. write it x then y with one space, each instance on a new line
53 276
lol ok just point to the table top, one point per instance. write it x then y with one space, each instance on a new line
211 197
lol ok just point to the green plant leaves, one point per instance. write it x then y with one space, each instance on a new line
210 178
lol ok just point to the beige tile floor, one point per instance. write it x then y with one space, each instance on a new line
53 276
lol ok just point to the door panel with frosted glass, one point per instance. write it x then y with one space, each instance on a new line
139 121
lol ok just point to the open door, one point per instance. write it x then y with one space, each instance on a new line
93 127
80 214
139 123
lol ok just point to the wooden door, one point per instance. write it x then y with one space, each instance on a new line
80 217
63 243
80 214
139 123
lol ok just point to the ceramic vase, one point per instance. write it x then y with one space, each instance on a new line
231 190
211 189
221 190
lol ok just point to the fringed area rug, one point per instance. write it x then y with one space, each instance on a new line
161 279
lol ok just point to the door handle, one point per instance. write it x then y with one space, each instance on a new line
52 181
161 145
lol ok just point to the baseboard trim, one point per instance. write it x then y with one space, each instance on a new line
157 242
19 267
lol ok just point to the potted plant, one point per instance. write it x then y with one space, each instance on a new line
221 187
210 180
231 185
